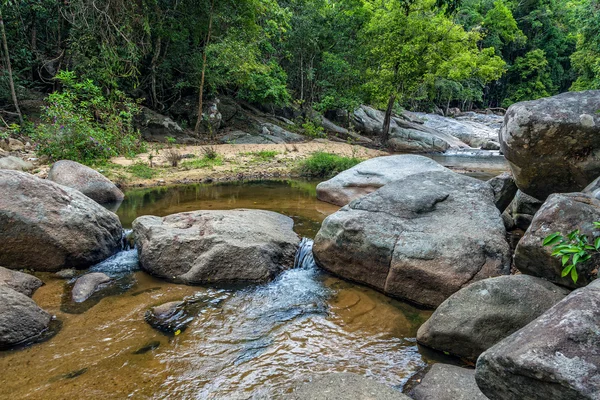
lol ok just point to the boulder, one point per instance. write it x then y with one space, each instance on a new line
406 134
21 320
156 127
473 133
168 317
87 285
504 188
343 133
370 175
10 144
216 246
23 283
476 317
15 163
552 144
47 227
523 208
278 132
241 137
345 386
88 181
490 145
562 213
593 188
421 238
448 382
557 356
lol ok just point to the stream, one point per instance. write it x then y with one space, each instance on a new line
255 342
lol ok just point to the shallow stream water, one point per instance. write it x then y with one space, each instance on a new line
245 343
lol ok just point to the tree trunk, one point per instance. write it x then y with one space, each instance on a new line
153 64
206 43
13 93
387 121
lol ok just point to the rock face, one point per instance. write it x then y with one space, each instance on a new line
421 238
552 143
473 133
345 386
370 175
23 283
156 127
557 356
522 209
406 134
562 213
47 227
476 317
21 320
15 163
87 285
88 181
448 382
216 246
504 188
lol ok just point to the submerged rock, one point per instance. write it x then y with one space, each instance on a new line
552 143
87 285
345 386
475 318
169 317
21 320
562 213
216 246
421 238
448 382
23 283
47 227
88 181
557 356
370 175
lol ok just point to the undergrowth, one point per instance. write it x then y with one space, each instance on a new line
324 165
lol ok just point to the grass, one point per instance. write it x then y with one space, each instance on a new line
325 165
263 155
141 170
204 162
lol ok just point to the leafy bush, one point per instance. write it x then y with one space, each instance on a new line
324 165
573 250
204 162
81 124
141 170
313 130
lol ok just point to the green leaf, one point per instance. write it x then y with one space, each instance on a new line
552 239
576 258
597 224
597 243
565 259
574 275
566 270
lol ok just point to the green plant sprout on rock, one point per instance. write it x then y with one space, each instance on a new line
573 250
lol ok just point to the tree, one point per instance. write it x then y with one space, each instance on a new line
11 82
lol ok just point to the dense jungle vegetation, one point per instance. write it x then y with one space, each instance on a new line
322 54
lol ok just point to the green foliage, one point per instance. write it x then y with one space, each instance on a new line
534 78
324 165
82 124
141 170
205 162
573 250
313 130
586 59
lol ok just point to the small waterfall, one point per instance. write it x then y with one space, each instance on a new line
127 240
304 256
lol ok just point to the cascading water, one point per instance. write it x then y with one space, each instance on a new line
304 256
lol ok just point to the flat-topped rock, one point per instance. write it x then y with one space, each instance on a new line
21 282
345 386
216 246
370 175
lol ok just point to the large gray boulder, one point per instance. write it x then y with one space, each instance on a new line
21 320
422 237
88 181
448 382
345 386
370 175
504 188
47 227
557 356
562 213
216 246
474 133
156 127
23 283
523 208
552 144
476 317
